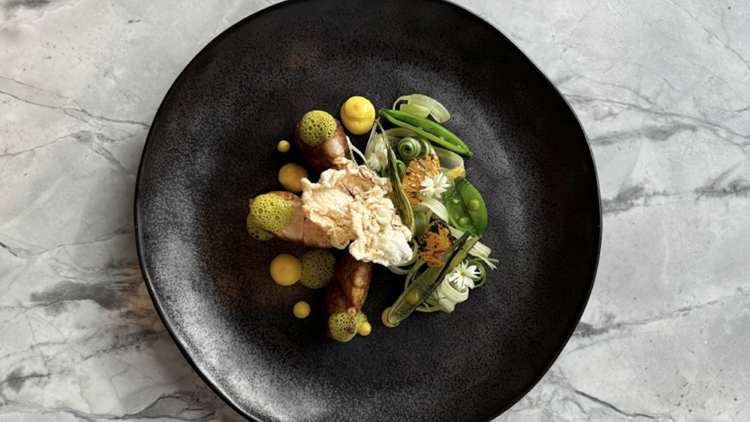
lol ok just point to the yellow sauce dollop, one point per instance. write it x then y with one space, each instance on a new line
285 269
384 318
358 115
301 310
290 176
283 146
363 326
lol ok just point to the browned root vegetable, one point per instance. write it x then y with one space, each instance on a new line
321 157
354 277
348 289
302 230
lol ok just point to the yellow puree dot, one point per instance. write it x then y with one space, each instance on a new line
290 177
365 329
384 318
285 269
301 310
283 146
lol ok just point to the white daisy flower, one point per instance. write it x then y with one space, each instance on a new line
462 277
434 186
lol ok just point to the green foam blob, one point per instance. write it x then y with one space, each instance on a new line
317 127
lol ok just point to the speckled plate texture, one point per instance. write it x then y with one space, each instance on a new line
213 146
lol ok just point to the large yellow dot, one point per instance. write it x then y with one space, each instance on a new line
384 318
286 269
301 310
290 176
358 115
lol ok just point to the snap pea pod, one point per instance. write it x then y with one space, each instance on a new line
466 208
427 128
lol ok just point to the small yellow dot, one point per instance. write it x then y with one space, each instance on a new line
384 318
365 329
301 310
283 146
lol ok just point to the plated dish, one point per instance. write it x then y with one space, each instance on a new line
213 146
408 207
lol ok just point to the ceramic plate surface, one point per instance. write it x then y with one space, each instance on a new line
212 146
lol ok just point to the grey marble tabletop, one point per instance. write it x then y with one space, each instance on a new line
660 86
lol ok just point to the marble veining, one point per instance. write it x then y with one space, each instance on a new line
661 88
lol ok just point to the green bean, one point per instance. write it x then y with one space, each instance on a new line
466 208
427 128
398 197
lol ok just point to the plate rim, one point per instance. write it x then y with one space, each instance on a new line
218 390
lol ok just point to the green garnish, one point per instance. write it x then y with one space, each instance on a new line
428 129
466 208
426 283
398 197
317 127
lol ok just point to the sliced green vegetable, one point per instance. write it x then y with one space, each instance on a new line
480 250
437 110
466 207
436 207
409 148
398 197
400 168
482 272
425 284
399 132
427 128
414 109
420 224
449 159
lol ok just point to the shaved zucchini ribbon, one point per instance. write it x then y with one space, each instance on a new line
446 296
417 103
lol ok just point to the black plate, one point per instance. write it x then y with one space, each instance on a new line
212 147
